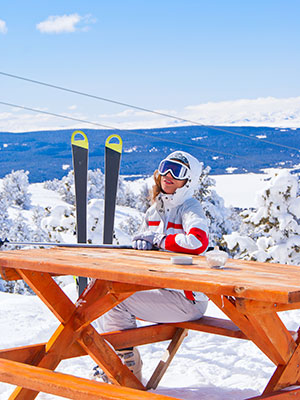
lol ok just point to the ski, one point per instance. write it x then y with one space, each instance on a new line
113 153
4 242
80 150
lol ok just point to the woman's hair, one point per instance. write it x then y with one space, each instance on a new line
156 188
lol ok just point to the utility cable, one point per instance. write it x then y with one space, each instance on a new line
145 110
118 129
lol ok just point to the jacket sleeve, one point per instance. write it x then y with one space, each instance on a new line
194 240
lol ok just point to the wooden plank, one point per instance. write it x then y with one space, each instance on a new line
73 320
25 354
240 278
9 274
107 359
270 326
243 322
285 375
96 300
258 307
217 326
119 340
119 287
50 360
50 293
289 394
68 386
141 336
61 306
162 366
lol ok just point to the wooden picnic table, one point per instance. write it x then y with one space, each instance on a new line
249 293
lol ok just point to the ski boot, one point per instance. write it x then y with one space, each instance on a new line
130 357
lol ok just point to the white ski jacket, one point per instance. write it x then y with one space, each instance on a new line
184 224
180 217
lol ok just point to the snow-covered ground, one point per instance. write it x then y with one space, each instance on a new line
207 366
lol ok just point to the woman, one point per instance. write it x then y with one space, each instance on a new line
174 222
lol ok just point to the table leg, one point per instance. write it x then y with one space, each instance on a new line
75 320
160 370
249 327
286 375
266 330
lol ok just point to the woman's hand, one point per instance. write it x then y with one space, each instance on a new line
148 241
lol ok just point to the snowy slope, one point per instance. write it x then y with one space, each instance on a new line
213 367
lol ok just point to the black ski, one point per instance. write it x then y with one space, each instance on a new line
80 150
6 242
113 153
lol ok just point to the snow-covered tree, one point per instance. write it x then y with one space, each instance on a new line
20 230
59 224
271 232
15 188
95 184
66 188
52 185
143 201
5 222
220 219
95 220
130 225
38 234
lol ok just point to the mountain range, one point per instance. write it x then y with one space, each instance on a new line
47 154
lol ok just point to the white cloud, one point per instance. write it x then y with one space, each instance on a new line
264 111
3 27
65 23
268 111
17 120
73 107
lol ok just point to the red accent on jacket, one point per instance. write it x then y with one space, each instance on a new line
171 245
153 223
175 226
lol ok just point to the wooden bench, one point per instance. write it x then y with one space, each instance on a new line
69 386
175 332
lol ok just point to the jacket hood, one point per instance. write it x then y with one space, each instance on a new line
193 175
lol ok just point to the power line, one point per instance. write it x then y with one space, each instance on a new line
54 114
118 129
143 109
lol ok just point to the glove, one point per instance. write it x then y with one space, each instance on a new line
147 240
141 245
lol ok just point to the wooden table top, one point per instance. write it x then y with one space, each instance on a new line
239 278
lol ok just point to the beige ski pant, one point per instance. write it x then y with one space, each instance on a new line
159 305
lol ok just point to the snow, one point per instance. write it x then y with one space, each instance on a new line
238 191
207 366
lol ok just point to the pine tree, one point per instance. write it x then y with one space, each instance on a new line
220 219
15 189
66 188
95 184
5 221
271 232
143 201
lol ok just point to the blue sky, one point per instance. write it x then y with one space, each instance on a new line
158 54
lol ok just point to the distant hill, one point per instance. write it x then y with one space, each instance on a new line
47 154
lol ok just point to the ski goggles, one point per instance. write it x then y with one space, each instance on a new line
177 170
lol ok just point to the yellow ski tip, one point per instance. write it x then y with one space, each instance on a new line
80 142
114 146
